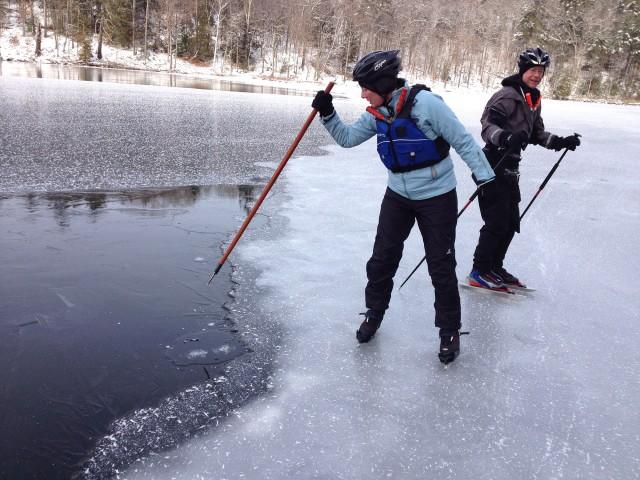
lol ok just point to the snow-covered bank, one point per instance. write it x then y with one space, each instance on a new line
546 386
16 47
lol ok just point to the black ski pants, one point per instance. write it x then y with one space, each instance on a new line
437 218
501 216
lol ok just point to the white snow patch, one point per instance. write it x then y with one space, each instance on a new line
197 354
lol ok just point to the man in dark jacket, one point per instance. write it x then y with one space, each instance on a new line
511 121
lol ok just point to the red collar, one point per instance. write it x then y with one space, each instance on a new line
527 99
399 105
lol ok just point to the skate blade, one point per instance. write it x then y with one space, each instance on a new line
521 289
501 291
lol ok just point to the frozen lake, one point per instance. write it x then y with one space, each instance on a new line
546 386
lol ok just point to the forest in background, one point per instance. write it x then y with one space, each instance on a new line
594 44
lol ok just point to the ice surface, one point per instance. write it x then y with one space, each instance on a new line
74 135
545 388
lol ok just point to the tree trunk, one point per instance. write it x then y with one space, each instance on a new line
33 21
218 20
346 56
247 17
146 25
39 41
133 25
274 66
23 16
44 3
55 35
170 43
174 36
215 44
99 52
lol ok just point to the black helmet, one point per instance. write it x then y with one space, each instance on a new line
533 57
376 66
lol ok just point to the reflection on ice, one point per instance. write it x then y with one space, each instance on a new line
139 77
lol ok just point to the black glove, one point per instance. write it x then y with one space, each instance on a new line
487 188
513 141
558 143
323 102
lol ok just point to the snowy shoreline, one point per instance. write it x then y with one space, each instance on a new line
343 86
18 48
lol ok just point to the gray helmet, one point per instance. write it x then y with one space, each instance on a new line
376 66
533 57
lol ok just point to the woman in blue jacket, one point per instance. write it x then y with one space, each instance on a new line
414 129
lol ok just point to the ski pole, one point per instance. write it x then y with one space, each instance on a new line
268 186
471 199
555 167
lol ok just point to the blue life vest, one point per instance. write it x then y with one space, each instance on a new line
402 146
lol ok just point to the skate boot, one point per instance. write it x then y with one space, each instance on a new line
450 346
508 279
370 325
490 280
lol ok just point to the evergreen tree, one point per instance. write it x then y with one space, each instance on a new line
244 34
85 50
117 22
198 39
531 29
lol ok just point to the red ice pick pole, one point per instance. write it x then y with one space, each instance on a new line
268 186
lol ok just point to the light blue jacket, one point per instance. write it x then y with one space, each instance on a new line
435 119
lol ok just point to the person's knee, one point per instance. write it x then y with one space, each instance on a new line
443 271
497 228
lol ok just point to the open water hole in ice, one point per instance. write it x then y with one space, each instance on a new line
115 201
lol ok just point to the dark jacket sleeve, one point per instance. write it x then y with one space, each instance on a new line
497 112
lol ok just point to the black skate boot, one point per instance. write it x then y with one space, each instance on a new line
369 326
449 346
508 279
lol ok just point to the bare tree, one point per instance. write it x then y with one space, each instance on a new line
133 25
146 27
217 18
